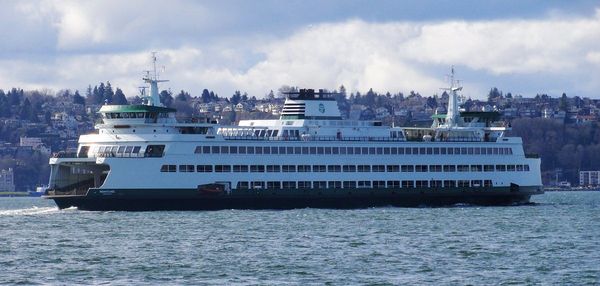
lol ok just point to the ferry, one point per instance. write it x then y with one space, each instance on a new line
142 158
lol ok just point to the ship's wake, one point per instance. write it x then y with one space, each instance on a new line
33 211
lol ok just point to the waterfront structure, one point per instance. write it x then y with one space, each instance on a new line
7 180
589 178
143 158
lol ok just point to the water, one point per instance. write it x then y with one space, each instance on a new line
555 241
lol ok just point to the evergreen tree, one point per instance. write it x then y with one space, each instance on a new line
205 97
245 97
166 98
563 105
78 99
108 93
119 97
236 97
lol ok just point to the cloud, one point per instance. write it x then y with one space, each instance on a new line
85 42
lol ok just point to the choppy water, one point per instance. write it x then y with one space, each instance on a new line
556 241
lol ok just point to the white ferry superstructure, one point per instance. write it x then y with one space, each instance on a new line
142 158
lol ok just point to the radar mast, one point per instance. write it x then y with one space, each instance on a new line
154 99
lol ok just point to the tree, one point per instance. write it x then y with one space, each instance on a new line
563 104
119 97
205 97
166 98
78 99
236 97
108 93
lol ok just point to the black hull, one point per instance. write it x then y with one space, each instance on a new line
155 200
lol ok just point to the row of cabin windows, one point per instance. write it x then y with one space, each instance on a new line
341 168
354 150
363 184
122 151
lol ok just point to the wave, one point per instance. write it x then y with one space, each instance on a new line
33 211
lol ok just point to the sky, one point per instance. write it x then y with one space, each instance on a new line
523 47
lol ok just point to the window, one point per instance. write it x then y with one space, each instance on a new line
334 184
240 168
435 168
168 168
408 184
449 168
350 151
273 168
487 183
526 168
463 183
289 185
364 184
450 151
136 149
288 168
393 168
429 151
216 149
443 151
250 150
242 149
386 150
204 168
304 150
435 184
462 168
257 168
449 184
273 185
243 185
407 168
488 168
320 150
233 149
476 168
520 168
186 168
258 185
319 168
224 149
266 150
257 150
500 168
304 185
349 168
379 151
320 185
378 184
421 168
393 184
510 168
274 150
436 150
198 150
349 185
327 150
222 168
303 168
334 168
421 184
364 168
153 150
394 151
282 150
422 151
476 183
378 168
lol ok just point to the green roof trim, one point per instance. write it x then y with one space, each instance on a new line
437 116
135 108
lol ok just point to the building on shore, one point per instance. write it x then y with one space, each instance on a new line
7 180
589 178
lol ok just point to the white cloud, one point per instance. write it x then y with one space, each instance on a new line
112 40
